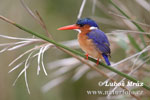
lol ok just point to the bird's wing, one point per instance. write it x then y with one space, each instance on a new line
100 40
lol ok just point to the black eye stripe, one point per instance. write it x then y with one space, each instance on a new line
81 25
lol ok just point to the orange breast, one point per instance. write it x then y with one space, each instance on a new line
88 46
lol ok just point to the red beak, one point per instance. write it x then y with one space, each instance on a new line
69 27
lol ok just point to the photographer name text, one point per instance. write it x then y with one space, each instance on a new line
129 83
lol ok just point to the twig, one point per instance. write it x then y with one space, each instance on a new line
130 31
7 20
139 53
43 25
93 6
81 9
120 16
38 19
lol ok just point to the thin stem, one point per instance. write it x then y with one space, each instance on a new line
81 9
38 18
123 17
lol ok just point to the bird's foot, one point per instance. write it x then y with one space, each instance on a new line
87 56
97 62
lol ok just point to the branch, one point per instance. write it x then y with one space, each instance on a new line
81 9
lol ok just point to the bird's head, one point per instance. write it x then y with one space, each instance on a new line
82 25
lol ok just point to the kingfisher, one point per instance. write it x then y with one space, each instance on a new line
92 40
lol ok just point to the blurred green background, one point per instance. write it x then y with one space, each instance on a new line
56 13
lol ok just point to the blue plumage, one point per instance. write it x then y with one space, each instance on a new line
85 21
100 40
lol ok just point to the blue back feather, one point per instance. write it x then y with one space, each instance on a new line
106 59
100 40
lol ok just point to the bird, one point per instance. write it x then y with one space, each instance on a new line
92 40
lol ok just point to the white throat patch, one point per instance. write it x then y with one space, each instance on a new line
78 30
93 28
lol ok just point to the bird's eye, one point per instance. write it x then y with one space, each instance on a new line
81 25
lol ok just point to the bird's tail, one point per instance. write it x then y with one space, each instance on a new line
106 59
